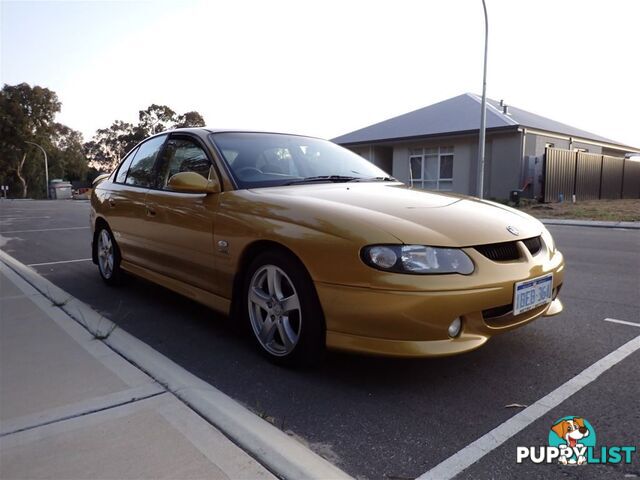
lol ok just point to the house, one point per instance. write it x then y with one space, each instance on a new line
436 147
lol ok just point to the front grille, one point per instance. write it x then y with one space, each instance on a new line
497 311
499 317
533 245
506 251
500 252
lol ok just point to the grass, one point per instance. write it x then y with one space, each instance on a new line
627 210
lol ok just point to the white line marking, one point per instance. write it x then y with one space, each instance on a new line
45 230
623 322
22 217
473 452
57 263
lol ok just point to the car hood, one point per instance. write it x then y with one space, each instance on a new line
410 215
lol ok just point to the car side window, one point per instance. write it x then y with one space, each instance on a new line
183 155
124 167
141 172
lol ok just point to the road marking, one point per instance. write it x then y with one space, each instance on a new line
473 452
623 322
58 263
21 217
46 230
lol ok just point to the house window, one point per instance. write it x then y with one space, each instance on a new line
432 168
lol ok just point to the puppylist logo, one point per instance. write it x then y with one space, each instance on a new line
572 441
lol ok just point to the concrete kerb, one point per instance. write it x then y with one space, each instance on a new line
591 223
277 451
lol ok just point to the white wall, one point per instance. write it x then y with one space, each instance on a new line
505 169
380 156
462 155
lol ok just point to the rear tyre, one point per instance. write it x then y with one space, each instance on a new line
285 317
108 255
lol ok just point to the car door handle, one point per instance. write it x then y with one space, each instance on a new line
112 202
151 211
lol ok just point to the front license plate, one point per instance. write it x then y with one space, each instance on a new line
532 293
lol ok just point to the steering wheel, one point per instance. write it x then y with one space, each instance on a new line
241 171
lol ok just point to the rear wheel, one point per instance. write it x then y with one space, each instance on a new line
108 257
284 313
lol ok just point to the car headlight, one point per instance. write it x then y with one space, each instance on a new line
417 259
548 240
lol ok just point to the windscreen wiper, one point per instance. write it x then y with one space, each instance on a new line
374 179
324 178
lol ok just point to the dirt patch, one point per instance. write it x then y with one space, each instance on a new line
627 210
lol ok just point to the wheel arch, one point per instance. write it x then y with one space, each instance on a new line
250 252
99 223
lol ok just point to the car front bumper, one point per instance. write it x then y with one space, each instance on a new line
414 323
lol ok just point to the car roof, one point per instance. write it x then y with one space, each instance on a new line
200 130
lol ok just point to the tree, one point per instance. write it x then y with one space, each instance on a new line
109 145
92 174
190 119
70 150
26 114
159 118
156 119
23 182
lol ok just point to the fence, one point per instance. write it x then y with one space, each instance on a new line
589 176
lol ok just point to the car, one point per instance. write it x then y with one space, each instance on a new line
313 247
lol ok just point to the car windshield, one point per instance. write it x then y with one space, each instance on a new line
269 159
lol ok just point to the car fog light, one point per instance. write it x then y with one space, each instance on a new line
455 328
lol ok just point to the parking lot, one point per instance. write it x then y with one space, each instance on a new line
390 418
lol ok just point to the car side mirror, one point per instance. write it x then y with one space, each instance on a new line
192 182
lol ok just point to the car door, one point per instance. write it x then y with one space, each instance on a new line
126 208
181 225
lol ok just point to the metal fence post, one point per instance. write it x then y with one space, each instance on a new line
601 175
624 164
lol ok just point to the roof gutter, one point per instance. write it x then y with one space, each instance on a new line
510 128
572 139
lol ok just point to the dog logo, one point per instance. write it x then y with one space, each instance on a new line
513 230
573 435
572 441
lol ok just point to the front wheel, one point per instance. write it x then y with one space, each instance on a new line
108 257
284 313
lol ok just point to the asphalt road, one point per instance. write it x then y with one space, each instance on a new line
386 418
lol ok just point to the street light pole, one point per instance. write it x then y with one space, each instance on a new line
46 166
483 107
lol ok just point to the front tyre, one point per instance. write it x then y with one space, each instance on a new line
108 257
284 313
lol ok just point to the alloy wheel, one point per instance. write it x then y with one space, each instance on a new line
274 310
106 257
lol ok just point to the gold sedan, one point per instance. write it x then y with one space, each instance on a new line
313 247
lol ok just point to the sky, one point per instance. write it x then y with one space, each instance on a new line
325 67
